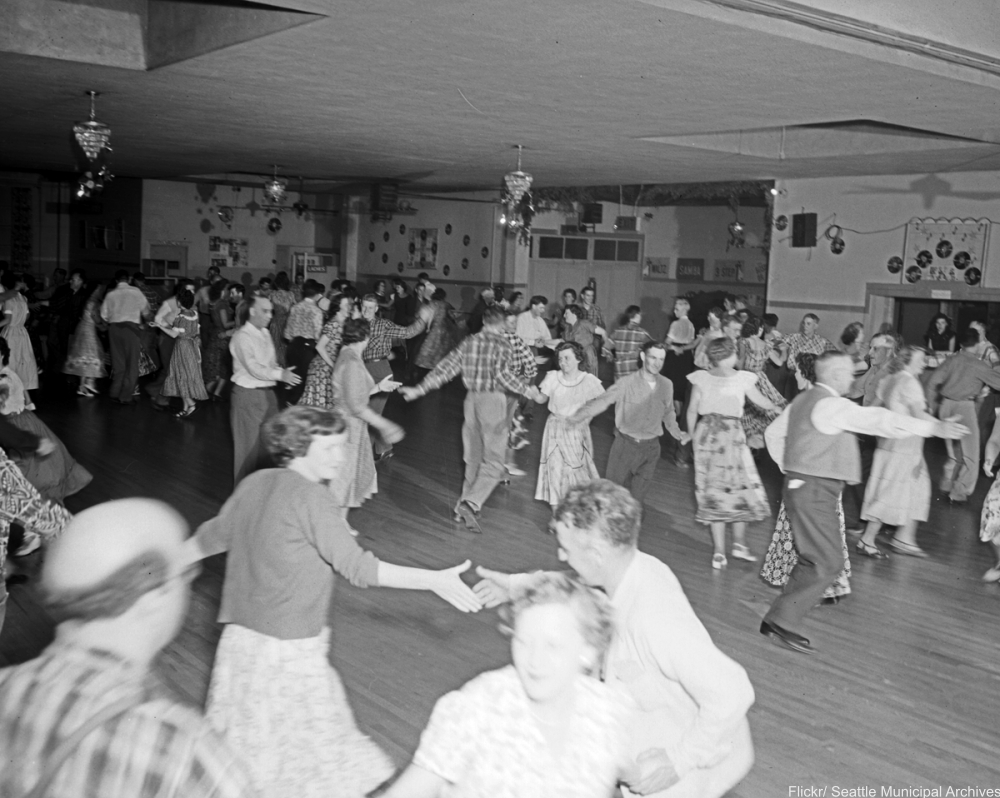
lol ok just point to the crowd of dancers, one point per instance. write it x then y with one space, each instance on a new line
614 682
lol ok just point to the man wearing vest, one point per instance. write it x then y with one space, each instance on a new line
813 443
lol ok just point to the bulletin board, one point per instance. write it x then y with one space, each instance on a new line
945 250
423 248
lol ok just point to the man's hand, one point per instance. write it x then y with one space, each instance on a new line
951 428
448 585
657 772
494 589
45 447
685 438
289 377
392 433
579 417
988 467
409 392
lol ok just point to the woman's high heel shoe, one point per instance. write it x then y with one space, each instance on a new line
83 390
187 411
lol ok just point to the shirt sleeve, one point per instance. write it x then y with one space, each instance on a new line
249 354
447 744
327 530
774 437
445 371
697 378
505 372
719 686
215 535
599 403
837 414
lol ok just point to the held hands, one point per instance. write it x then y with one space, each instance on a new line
988 467
448 585
656 772
685 438
534 394
494 589
951 428
45 447
289 377
392 433
388 385
409 392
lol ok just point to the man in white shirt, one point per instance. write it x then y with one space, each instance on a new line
534 331
124 309
255 373
692 738
812 443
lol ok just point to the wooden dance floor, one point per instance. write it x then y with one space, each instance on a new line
904 690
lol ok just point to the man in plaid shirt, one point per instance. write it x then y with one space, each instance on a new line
625 342
526 367
384 336
117 579
486 362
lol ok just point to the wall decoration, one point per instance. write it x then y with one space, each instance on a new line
446 270
465 263
402 229
385 236
691 269
466 240
218 263
274 226
233 251
423 248
447 229
895 264
485 251
399 266
385 258
656 269
371 246
945 250
311 262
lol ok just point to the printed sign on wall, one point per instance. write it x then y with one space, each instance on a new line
656 269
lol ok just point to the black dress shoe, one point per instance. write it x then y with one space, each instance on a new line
789 639
829 601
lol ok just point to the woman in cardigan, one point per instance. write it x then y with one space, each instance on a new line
273 692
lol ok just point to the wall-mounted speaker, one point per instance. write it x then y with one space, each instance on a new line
804 230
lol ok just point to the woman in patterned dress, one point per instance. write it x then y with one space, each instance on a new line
273 693
899 488
319 381
56 475
567 448
184 379
13 328
544 726
221 324
352 387
989 525
442 332
282 298
727 486
86 355
781 556
753 355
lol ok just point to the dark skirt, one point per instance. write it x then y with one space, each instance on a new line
676 368
55 476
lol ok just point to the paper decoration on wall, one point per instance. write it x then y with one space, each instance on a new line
656 269
229 253
447 229
949 250
466 240
402 229
385 236
423 248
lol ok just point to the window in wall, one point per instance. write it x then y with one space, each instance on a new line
628 251
604 249
576 248
550 247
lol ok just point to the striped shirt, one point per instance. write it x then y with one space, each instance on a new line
485 361
524 359
384 335
158 748
594 314
305 320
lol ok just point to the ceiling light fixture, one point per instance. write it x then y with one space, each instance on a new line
92 136
276 188
515 198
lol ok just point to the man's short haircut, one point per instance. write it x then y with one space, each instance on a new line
81 272
603 508
214 270
252 301
812 316
290 433
113 595
970 338
719 349
632 311
716 311
369 298
682 301
121 276
138 277
825 361
538 299
771 320
239 288
588 288
493 316
310 288
653 345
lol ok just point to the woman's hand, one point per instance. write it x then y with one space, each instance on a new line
988 467
392 433
494 589
657 772
448 585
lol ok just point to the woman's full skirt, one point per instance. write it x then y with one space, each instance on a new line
899 488
567 459
360 480
727 486
283 707
185 378
55 476
22 356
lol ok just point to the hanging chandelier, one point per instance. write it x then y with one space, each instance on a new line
276 188
92 136
518 209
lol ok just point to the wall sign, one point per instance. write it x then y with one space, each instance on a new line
423 248
691 269
656 269
945 250
229 253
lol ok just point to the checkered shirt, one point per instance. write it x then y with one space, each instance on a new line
385 334
485 361
625 341
158 748
524 359
798 343
594 314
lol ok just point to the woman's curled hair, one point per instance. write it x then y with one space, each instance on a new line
290 433
355 330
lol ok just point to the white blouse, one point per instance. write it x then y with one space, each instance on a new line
723 395
565 398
